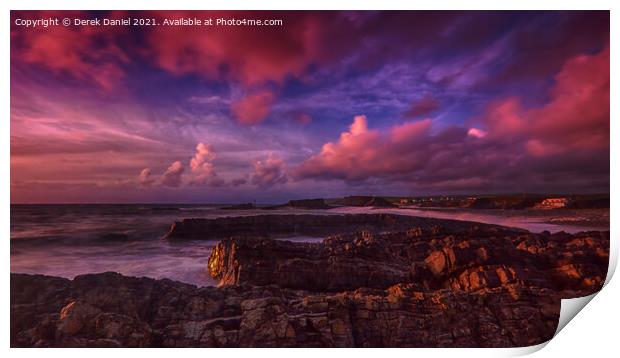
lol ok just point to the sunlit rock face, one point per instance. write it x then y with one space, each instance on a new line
485 257
428 285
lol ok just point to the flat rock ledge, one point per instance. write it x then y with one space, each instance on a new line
287 225
427 286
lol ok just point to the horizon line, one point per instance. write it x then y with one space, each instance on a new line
325 198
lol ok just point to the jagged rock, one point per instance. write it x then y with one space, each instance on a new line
301 266
463 260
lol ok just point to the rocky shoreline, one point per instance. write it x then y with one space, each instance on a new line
288 225
397 282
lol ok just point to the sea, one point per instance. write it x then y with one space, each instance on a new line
73 239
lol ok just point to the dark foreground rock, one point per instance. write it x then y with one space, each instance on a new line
273 226
110 310
428 286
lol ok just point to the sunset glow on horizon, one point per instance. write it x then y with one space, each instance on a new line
328 104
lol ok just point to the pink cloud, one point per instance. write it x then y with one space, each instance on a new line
505 117
202 171
410 153
269 172
250 55
406 132
575 118
578 114
172 175
359 126
539 149
361 152
145 178
476 133
87 53
201 164
253 108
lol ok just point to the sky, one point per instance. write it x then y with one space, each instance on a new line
328 104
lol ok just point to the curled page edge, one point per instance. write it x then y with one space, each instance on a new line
613 256
522 351
572 306
568 310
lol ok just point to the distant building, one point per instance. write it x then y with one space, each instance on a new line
552 203
469 201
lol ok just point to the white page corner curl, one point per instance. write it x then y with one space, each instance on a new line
569 308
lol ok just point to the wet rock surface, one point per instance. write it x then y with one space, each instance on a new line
426 286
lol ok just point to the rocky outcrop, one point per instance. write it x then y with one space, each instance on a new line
361 200
379 202
437 284
486 258
309 204
271 226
